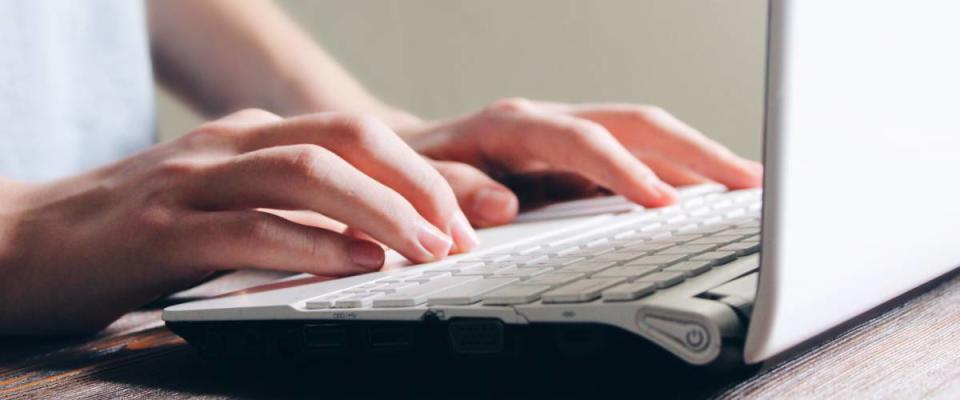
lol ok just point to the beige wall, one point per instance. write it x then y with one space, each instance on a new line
701 59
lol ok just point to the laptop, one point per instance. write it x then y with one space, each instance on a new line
859 207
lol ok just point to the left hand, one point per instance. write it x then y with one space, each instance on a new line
633 150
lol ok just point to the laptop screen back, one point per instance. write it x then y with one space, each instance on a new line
863 161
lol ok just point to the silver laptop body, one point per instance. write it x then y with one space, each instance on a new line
860 149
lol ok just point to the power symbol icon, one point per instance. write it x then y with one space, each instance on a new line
696 338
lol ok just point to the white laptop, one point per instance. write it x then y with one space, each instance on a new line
862 158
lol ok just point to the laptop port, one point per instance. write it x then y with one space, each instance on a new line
324 337
476 337
390 337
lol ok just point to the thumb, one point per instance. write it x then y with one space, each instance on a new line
485 201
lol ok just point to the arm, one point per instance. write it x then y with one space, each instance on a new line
222 56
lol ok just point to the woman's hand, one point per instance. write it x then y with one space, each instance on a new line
563 149
97 245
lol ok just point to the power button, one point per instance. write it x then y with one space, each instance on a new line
691 335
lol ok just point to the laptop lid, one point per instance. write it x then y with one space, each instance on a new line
862 154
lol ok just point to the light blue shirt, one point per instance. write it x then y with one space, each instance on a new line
76 89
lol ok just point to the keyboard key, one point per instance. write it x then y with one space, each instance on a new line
716 257
663 279
553 278
468 293
521 273
589 267
357 300
659 260
618 257
648 247
487 270
689 249
555 262
580 291
325 301
717 239
629 291
742 249
416 295
690 268
427 277
516 294
626 272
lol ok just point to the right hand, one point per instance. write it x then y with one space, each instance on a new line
102 243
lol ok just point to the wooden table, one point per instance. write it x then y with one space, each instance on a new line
909 351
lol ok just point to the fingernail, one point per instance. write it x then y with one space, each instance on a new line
493 205
366 254
667 193
433 241
463 234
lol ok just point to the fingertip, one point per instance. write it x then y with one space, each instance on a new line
494 206
366 255
464 237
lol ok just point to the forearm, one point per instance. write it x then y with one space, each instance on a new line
221 56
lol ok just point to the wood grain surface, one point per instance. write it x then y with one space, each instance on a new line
909 351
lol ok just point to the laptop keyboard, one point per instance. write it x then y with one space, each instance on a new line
634 255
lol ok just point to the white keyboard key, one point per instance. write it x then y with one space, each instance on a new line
717 239
648 247
515 294
555 262
663 279
393 287
742 249
617 257
744 231
690 268
553 279
588 267
626 272
521 273
716 257
580 291
357 300
412 296
468 293
487 270
659 260
689 249
629 291
325 301
427 277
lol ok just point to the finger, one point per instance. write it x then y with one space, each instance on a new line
485 201
253 239
377 151
251 116
540 188
587 148
307 177
672 173
653 130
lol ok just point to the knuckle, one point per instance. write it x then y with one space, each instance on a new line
209 134
508 105
309 161
651 112
584 132
174 170
154 220
257 114
359 130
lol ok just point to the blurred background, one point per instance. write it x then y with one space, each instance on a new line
701 59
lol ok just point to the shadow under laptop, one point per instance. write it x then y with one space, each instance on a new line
621 366
650 373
